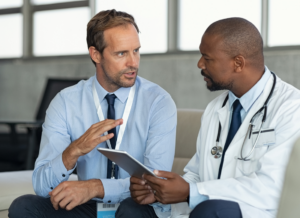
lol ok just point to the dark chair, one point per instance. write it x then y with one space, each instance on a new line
18 151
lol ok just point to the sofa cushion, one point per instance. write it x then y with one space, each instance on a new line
188 125
4 214
15 184
179 164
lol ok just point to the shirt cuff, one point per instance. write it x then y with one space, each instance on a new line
195 197
112 190
161 210
59 169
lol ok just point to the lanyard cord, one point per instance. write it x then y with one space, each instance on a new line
125 114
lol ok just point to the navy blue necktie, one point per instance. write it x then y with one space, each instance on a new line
111 115
235 124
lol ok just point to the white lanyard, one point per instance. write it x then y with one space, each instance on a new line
125 115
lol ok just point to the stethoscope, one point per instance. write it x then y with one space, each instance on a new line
217 150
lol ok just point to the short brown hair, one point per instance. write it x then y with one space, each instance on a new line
105 20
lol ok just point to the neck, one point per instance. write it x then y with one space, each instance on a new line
245 83
106 83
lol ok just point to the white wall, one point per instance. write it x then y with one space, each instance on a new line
22 81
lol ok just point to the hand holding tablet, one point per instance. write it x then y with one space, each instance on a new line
126 162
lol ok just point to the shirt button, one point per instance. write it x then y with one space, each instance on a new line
51 187
63 175
109 201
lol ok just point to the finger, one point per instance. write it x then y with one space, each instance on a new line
108 125
154 186
135 180
158 197
58 198
107 122
135 187
136 194
71 205
165 174
154 180
101 139
142 198
64 202
98 129
57 189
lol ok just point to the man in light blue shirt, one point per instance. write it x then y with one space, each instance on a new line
72 131
253 126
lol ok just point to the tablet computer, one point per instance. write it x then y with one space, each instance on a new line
126 162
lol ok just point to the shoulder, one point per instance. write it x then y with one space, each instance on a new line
286 98
148 87
76 92
285 90
150 90
153 97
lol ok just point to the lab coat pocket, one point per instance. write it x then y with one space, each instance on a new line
252 164
265 138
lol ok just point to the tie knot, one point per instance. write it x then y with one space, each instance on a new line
110 99
237 107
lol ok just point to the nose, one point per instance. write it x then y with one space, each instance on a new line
201 64
133 61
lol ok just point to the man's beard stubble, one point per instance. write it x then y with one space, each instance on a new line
116 80
215 86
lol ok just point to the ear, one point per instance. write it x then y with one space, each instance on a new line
239 63
95 54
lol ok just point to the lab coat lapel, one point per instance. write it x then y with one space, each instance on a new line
223 115
235 146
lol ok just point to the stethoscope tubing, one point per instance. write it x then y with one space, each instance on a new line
264 107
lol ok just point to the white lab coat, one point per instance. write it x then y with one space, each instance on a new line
255 185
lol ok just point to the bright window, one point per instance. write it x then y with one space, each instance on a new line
284 19
197 15
10 3
43 2
11 35
151 18
61 32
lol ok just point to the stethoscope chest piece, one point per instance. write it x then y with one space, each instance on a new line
216 151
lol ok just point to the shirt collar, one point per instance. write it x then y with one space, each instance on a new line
122 93
248 99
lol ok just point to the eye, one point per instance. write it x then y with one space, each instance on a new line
120 54
136 50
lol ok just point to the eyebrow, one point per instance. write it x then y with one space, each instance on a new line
116 52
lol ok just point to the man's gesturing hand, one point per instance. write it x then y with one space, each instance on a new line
70 194
88 141
140 191
173 189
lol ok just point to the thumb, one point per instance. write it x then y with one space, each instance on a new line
165 174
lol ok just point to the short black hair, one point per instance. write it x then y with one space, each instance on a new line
240 37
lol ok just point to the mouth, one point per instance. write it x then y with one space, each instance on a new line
130 74
206 78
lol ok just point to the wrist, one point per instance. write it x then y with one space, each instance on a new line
97 188
70 156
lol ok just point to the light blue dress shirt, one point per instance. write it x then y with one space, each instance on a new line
247 100
149 135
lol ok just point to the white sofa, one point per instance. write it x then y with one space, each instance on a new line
15 184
